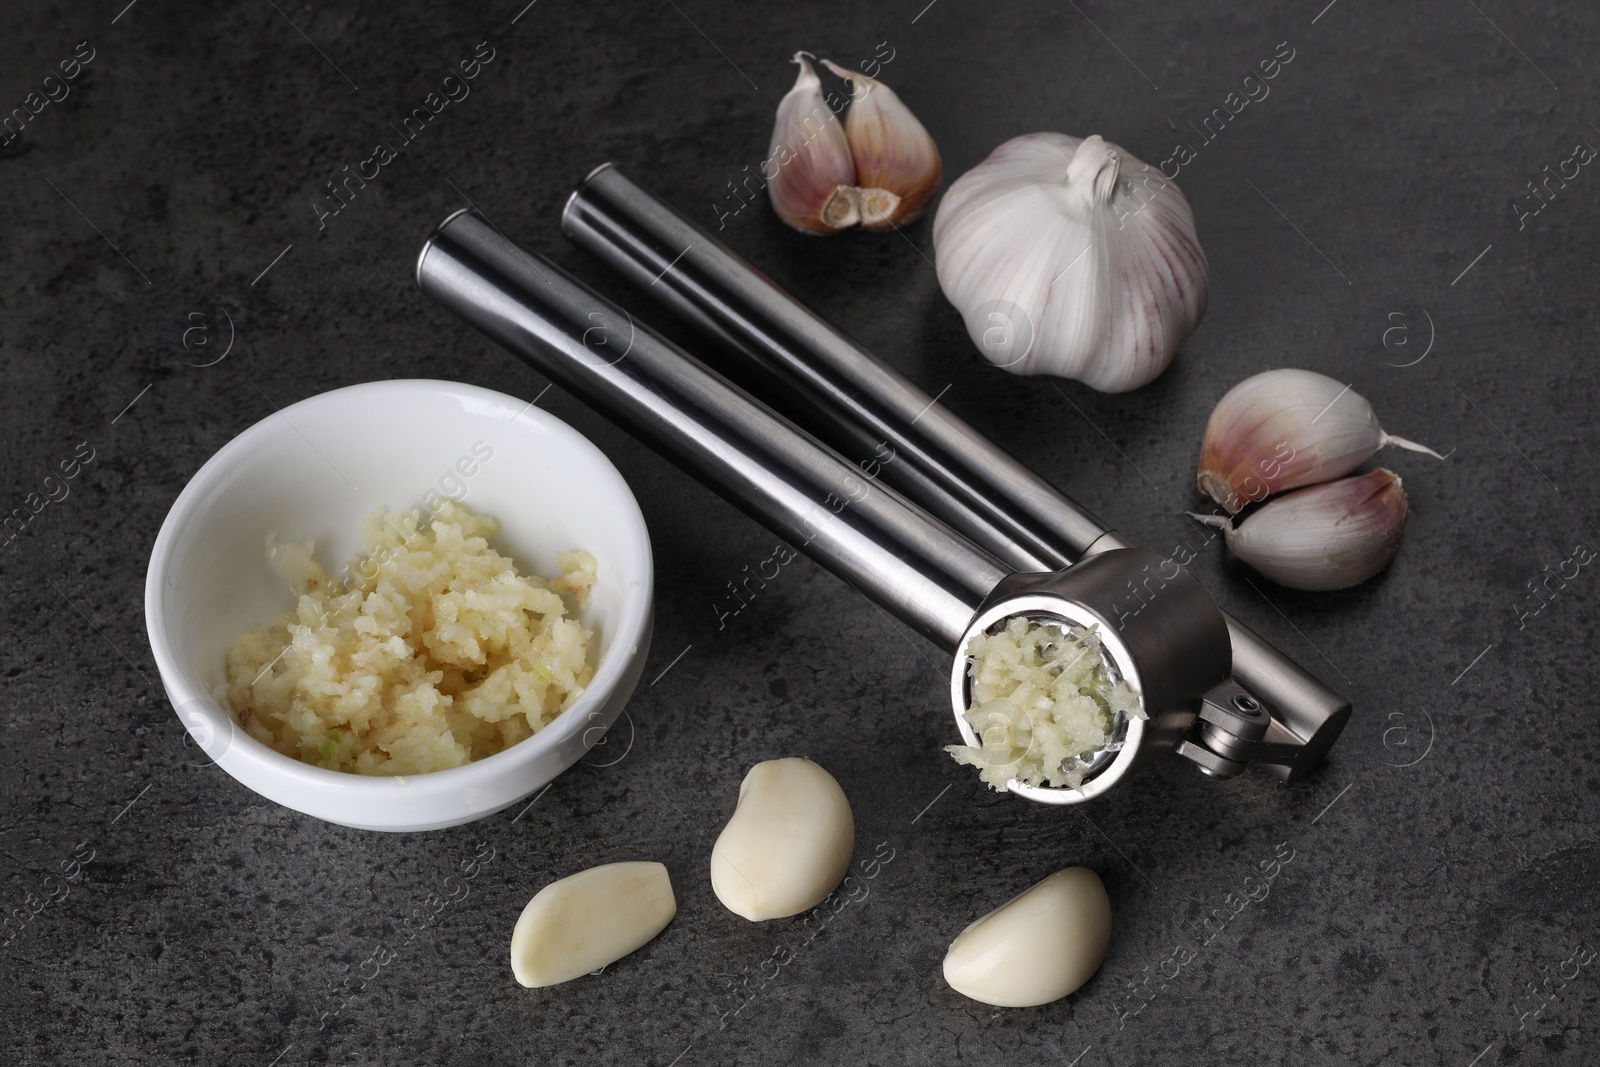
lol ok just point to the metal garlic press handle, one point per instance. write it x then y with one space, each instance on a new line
837 390
830 384
912 565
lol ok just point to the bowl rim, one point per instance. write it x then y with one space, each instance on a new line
632 625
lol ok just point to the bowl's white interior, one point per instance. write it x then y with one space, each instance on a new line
317 469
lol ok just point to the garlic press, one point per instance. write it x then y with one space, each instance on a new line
958 541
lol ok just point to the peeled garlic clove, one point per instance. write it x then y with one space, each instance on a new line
897 163
589 919
1285 428
1037 947
1071 257
813 185
1330 536
788 844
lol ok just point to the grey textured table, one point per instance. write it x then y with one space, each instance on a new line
1371 218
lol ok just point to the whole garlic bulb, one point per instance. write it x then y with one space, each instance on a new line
1071 257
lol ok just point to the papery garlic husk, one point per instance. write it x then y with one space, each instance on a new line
897 164
1071 257
1285 428
1330 536
813 182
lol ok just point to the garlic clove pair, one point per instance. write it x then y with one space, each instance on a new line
877 170
1070 257
1330 536
1287 428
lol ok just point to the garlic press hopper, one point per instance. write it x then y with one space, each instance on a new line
963 538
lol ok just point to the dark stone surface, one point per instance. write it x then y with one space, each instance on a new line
1444 861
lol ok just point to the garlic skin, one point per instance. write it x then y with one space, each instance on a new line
897 164
813 188
1330 536
1037 947
1071 257
1282 429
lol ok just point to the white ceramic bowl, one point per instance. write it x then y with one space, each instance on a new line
315 470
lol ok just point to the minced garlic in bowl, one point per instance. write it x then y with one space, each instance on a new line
431 653
1042 703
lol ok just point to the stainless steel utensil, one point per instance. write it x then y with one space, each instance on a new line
831 384
1176 655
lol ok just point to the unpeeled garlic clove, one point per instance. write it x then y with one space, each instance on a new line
1037 947
788 843
813 184
584 921
897 164
1330 536
1282 429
